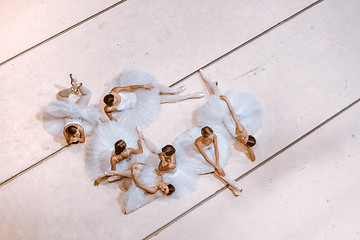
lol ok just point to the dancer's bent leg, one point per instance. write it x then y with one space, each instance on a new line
85 96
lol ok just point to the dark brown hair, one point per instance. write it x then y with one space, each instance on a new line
71 130
251 141
171 189
109 100
168 150
120 146
206 131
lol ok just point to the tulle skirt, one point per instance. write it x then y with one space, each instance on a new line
101 147
246 108
147 106
190 157
56 112
136 197
181 178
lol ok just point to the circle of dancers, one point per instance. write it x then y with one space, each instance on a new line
118 151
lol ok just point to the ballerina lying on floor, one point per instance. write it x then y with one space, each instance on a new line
158 172
134 98
72 120
142 184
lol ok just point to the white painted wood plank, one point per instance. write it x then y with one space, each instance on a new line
178 39
26 23
308 192
68 203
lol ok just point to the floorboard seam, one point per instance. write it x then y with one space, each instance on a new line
252 170
32 166
250 40
64 31
210 63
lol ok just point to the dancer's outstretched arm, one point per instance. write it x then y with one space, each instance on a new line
132 88
240 130
135 174
125 155
136 151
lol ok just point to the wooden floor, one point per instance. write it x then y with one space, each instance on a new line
300 59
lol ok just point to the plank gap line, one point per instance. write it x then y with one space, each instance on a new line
250 40
64 31
32 166
252 170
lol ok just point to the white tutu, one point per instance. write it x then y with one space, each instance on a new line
101 147
246 108
136 197
147 106
191 159
59 113
181 178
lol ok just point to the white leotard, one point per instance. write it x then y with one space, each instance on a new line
128 100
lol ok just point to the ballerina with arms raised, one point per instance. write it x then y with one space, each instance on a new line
72 120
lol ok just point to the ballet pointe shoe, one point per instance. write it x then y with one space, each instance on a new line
140 133
180 89
235 191
195 95
114 178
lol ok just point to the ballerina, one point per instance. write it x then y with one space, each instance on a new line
207 153
113 147
209 137
142 184
166 156
236 111
165 188
172 170
135 97
159 172
72 120
121 153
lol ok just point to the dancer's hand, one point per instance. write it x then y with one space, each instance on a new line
97 182
222 97
135 167
148 86
243 137
139 141
220 171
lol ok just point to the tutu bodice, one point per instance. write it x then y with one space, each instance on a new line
59 114
128 100
142 106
